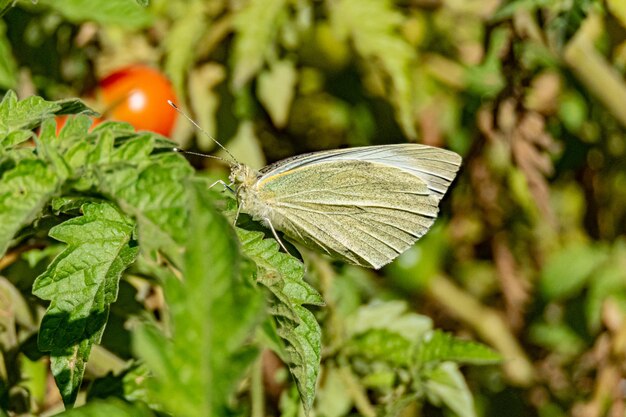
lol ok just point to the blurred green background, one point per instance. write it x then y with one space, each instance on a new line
529 255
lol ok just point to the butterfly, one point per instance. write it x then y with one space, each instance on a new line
363 205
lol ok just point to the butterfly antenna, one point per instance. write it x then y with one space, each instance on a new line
204 155
193 122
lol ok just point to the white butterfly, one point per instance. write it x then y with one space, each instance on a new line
363 205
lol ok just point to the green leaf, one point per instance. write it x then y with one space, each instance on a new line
23 114
256 27
150 188
438 346
486 79
81 283
381 345
566 272
106 12
559 338
276 89
128 385
8 66
213 312
391 316
374 27
608 283
109 408
182 41
283 276
24 191
75 106
445 385
26 114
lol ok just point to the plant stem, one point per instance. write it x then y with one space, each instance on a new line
256 389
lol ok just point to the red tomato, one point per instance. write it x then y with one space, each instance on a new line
60 122
138 95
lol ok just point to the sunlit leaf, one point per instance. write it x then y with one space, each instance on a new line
207 351
24 190
276 89
118 12
445 385
81 283
283 276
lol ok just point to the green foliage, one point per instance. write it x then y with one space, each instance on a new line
81 288
153 298
116 12
119 201
212 313
295 325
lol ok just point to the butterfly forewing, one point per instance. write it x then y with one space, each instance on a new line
364 205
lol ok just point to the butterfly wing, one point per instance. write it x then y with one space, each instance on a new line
364 205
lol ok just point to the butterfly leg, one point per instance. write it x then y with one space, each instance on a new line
226 186
280 242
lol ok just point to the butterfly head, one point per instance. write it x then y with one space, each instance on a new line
242 175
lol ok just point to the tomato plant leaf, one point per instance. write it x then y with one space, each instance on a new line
437 346
81 283
445 385
283 275
24 191
151 188
117 12
23 115
207 346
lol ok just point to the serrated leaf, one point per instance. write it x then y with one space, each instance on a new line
107 12
8 66
24 191
276 89
151 188
438 346
255 27
374 25
445 385
109 408
75 106
81 283
212 314
283 276
23 114
28 113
